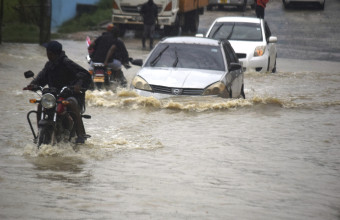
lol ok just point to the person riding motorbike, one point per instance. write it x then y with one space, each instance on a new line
60 71
111 51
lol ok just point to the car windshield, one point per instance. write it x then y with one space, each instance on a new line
192 56
236 31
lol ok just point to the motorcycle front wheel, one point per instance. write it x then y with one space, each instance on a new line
45 136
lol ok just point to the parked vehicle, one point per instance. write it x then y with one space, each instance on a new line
240 4
289 3
190 66
172 14
56 124
251 39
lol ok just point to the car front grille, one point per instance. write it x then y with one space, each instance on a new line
241 55
176 91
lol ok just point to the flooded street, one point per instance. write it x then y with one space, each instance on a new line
273 155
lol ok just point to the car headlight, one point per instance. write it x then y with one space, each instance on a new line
215 89
259 51
48 101
139 83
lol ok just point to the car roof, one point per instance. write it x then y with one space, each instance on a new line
238 19
192 40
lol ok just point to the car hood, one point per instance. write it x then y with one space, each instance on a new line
180 78
245 46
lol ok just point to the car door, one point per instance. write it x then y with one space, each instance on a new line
271 46
237 75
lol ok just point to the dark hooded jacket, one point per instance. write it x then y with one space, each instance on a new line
63 72
149 13
104 43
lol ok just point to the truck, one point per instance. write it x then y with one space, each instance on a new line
173 15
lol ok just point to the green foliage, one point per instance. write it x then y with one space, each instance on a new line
19 32
86 21
24 11
20 21
104 4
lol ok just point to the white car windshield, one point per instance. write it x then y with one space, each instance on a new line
193 56
236 31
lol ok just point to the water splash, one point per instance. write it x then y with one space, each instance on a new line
129 99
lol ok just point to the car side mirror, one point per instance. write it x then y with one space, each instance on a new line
28 74
272 39
234 66
137 62
199 35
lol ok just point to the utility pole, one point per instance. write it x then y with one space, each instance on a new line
45 21
1 18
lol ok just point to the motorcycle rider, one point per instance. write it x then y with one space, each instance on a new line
60 71
111 51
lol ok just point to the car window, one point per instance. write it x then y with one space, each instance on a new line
236 31
231 53
186 56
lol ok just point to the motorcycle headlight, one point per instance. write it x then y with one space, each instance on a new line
259 51
215 89
139 83
48 101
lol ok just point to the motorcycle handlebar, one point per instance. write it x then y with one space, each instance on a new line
32 88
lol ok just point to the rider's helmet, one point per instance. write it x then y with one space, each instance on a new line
109 27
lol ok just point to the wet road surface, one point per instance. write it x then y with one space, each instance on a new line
274 155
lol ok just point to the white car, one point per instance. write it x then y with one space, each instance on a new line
251 39
190 66
287 3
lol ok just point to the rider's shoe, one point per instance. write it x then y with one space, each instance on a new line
80 140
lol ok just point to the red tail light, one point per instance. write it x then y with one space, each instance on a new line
168 7
115 6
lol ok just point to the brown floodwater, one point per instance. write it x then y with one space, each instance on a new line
273 155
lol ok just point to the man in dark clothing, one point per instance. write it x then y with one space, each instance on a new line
149 13
111 51
60 71
260 6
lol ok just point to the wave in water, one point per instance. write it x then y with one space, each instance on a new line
129 99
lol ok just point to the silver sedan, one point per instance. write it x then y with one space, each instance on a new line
190 66
251 39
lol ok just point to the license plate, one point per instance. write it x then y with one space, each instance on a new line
224 1
98 79
99 72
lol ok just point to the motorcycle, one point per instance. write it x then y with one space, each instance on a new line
104 77
56 123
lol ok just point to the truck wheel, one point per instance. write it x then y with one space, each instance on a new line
195 20
171 30
244 6
122 29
